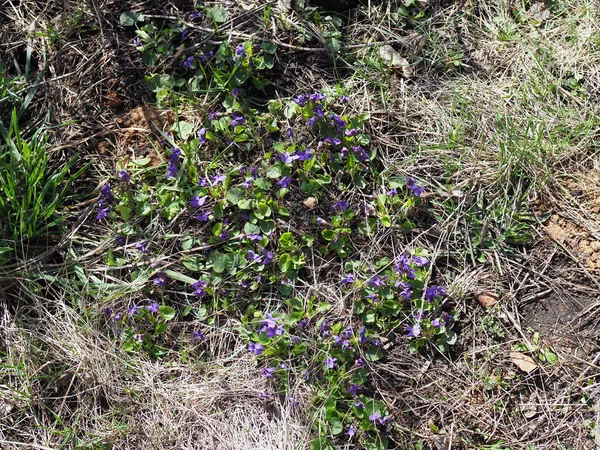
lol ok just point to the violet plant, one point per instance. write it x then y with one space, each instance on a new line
274 192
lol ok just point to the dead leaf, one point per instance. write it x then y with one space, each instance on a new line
487 299
310 202
539 12
523 362
393 59
284 6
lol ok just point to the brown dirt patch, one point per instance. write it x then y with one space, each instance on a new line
137 136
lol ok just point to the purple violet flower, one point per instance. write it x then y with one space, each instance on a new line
351 431
344 99
268 372
237 120
268 257
124 176
412 185
197 202
153 307
414 331
199 288
240 52
360 153
188 62
257 349
342 205
195 15
403 266
217 179
348 279
378 281
375 417
133 308
252 256
406 289
287 158
161 279
420 261
288 133
202 136
102 213
353 390
304 155
203 216
141 247
284 182
363 335
301 100
199 335
330 362
270 327
434 291
373 297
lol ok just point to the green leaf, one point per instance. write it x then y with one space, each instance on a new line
194 263
267 226
320 444
234 195
373 353
124 211
180 277
287 241
166 312
244 203
275 171
251 228
187 242
548 356
241 75
183 129
142 161
284 262
268 47
233 261
296 303
219 263
336 426
218 211
328 234
219 15
386 221
130 18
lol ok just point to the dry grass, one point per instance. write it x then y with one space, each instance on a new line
63 383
